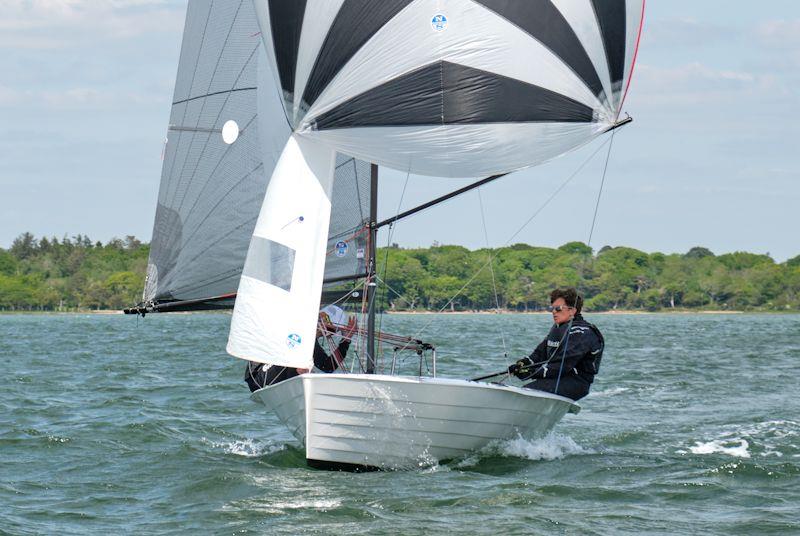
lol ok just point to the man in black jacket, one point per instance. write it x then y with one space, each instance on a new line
566 362
258 375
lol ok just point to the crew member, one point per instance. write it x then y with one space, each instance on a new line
566 361
258 375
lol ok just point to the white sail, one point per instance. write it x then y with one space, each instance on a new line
275 315
452 87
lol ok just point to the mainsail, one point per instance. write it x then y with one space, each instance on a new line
211 192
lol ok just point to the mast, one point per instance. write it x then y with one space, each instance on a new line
371 267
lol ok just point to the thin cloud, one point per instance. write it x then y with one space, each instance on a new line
688 32
783 34
691 77
78 98
48 24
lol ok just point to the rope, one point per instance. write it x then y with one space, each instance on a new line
394 290
389 236
600 192
564 353
517 232
491 269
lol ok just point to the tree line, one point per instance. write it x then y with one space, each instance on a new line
48 274
76 273
520 277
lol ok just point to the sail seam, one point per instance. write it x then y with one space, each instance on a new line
202 108
219 202
191 84
215 93
216 121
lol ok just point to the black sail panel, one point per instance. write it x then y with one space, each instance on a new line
542 20
447 94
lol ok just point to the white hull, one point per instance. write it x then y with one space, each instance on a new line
394 422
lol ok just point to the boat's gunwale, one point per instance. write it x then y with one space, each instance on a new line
456 382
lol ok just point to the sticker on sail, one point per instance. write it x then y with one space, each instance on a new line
439 22
341 248
293 340
360 253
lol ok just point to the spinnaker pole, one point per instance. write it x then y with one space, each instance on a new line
372 268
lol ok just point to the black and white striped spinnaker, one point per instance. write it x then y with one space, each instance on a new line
451 88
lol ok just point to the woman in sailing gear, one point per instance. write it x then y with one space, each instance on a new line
258 375
566 361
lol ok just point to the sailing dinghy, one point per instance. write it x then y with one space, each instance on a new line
284 109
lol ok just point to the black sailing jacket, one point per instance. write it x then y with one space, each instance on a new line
256 377
576 347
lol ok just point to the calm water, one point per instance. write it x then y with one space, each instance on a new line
112 424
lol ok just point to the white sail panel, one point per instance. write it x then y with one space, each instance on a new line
420 70
581 17
320 15
275 315
475 37
479 149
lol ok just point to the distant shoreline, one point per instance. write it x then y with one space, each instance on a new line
410 313
614 312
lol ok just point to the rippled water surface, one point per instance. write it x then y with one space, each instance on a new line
112 424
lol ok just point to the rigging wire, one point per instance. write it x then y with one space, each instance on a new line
389 236
513 236
583 263
491 269
600 192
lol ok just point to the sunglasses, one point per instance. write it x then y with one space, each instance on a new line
559 308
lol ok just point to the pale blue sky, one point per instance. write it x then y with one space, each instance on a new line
711 158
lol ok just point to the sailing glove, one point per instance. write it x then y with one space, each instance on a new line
522 368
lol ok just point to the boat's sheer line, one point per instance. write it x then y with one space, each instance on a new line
519 230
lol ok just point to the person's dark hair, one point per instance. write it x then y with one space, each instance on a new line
570 296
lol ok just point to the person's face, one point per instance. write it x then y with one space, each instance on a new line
324 322
561 311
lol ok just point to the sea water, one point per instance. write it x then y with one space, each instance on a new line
144 426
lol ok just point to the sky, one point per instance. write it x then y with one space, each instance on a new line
711 158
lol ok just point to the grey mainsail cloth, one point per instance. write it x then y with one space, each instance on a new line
211 192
